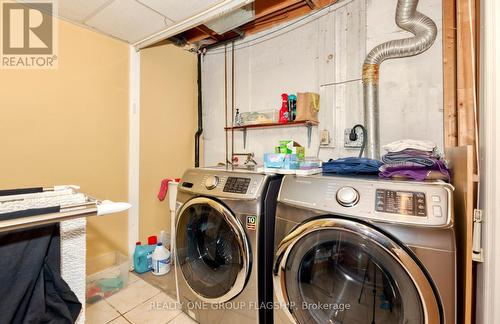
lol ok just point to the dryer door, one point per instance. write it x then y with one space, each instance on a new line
213 254
341 271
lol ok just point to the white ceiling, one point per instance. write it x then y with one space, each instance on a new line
131 20
178 10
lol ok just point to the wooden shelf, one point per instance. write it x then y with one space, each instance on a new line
272 125
302 123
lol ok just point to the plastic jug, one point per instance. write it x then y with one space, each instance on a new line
161 260
143 257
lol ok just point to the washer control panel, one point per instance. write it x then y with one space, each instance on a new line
237 185
400 202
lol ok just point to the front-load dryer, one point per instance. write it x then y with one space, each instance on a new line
224 245
364 250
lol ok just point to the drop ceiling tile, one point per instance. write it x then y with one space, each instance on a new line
178 10
127 20
78 10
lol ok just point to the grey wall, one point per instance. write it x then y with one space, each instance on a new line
324 53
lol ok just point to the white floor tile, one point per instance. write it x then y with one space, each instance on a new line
119 320
182 319
100 312
158 310
132 277
135 294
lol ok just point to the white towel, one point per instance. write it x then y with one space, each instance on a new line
404 144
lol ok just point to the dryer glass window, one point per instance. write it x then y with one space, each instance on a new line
209 253
336 276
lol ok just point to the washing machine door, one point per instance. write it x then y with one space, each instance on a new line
340 271
213 253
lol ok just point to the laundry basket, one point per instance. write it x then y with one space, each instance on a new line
107 274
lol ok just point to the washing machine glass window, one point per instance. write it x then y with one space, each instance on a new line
334 274
212 250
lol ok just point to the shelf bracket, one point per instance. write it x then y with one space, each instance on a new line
309 134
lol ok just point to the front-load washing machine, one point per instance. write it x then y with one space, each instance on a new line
224 244
364 250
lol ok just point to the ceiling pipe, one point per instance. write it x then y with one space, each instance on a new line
424 31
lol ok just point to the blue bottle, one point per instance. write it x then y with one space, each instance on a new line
292 106
142 257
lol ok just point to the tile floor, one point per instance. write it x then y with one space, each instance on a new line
139 303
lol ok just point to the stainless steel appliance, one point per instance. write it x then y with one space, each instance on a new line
364 250
224 220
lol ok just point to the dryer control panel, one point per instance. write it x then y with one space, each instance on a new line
402 202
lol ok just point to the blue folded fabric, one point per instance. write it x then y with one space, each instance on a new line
352 165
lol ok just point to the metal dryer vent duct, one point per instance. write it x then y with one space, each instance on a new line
425 30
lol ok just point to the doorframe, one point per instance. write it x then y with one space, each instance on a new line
133 147
488 286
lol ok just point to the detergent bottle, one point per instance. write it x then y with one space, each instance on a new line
143 255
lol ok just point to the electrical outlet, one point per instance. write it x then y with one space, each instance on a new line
353 144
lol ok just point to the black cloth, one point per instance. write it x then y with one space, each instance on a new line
31 287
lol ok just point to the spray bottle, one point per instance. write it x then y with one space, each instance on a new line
284 114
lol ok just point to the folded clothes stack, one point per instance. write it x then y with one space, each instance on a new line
352 165
414 160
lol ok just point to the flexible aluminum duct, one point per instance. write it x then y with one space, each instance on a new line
425 30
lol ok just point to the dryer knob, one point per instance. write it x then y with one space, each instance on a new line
347 196
211 182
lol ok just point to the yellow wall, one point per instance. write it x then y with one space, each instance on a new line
168 123
70 126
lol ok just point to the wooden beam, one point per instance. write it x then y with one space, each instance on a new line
194 35
461 162
209 32
291 12
266 7
450 74
465 72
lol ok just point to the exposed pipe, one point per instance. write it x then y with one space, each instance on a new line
225 106
425 30
200 118
232 103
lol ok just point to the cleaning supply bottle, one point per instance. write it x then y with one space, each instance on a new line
143 257
152 240
238 120
284 115
292 107
161 260
163 239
